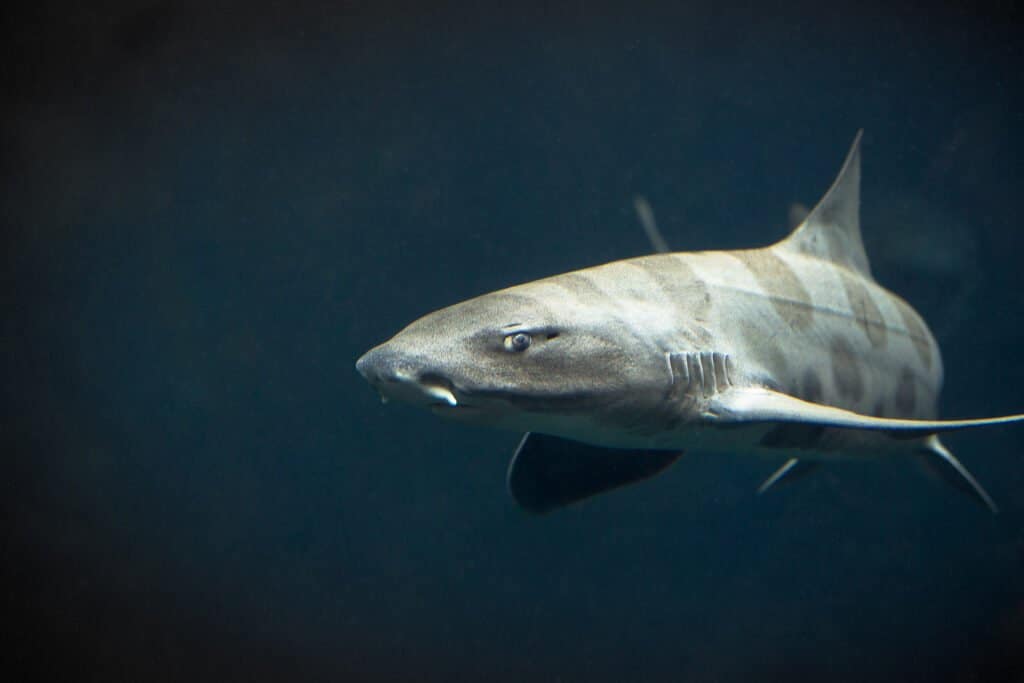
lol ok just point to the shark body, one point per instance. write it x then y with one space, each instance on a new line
613 371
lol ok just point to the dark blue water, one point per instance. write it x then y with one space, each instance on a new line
210 214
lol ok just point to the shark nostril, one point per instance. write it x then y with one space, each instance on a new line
381 365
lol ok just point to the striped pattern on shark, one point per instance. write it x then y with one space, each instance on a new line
792 349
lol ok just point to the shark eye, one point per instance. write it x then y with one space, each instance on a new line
520 341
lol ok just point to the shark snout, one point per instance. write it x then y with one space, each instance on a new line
383 364
371 365
402 377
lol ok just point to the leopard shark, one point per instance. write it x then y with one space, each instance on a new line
791 350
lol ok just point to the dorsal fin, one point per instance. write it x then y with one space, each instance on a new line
831 230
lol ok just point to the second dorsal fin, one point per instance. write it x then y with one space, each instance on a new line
831 230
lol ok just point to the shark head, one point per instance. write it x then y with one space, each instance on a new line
524 358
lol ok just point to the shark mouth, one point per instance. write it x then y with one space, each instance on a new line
398 377
438 388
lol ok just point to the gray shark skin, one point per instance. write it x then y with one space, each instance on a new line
790 350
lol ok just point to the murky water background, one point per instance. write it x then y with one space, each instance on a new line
211 214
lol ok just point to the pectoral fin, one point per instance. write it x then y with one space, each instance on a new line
757 404
547 472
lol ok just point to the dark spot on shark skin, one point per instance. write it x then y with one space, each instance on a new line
917 331
864 309
579 286
788 295
906 394
845 371
678 281
763 348
475 312
811 387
